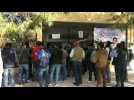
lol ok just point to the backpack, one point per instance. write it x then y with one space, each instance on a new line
35 54
43 58
93 57
102 58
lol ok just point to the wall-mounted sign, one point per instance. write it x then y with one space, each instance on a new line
80 34
55 36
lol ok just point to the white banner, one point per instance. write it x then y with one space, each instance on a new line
107 34
55 36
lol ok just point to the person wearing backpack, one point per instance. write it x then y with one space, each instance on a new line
101 64
43 56
90 65
77 54
10 62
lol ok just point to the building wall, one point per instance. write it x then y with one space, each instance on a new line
69 30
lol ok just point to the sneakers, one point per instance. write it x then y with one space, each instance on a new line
89 81
76 84
50 85
57 85
19 85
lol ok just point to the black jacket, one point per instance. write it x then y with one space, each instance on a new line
57 56
9 57
121 59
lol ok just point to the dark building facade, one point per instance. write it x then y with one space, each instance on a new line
69 31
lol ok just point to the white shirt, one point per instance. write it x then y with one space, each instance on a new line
108 50
72 53
113 53
1 63
132 47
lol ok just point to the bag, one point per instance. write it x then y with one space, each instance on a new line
102 58
93 57
43 57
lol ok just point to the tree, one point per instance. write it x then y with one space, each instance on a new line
16 25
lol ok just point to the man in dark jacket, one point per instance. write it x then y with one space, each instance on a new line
24 60
57 63
9 61
120 63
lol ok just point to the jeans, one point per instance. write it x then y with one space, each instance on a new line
108 72
24 74
35 70
64 71
55 69
92 69
77 72
43 76
30 70
70 68
120 76
9 77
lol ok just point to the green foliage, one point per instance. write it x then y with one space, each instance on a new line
12 30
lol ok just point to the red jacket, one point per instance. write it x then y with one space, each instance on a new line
35 50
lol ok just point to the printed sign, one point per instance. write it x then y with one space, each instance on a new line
55 36
80 34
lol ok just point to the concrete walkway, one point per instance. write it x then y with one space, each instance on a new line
69 82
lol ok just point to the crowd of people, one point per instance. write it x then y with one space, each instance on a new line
49 64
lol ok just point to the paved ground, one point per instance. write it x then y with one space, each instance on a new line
69 82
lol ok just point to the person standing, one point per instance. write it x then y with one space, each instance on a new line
10 62
108 72
101 57
43 56
112 51
64 62
77 54
90 65
120 63
24 66
35 50
1 65
69 61
56 67
30 61
124 47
